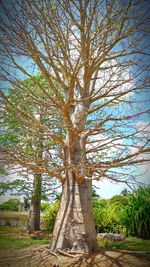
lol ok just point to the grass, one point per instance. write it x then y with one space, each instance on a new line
16 243
16 238
6 230
131 244
11 238
13 214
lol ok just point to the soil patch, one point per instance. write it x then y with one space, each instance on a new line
41 256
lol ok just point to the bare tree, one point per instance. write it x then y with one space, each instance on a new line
93 56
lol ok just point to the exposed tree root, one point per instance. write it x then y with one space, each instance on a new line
76 252
64 253
53 253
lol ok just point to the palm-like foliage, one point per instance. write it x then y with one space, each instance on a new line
137 213
124 214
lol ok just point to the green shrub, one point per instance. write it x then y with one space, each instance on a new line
107 215
50 216
124 214
11 204
127 214
107 220
99 208
44 206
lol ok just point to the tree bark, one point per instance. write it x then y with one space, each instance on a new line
34 212
74 226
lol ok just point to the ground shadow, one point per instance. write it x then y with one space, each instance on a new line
113 258
42 256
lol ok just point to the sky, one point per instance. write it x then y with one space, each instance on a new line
106 189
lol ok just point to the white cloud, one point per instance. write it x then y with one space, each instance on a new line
113 75
104 147
143 135
143 128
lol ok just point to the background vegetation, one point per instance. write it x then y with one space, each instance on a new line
11 204
127 213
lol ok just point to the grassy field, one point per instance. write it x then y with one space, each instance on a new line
13 214
16 238
131 244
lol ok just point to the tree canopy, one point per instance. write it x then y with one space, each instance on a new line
93 60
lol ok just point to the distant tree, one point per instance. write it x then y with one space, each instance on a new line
26 203
27 146
119 200
124 192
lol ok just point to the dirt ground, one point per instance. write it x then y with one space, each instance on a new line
40 256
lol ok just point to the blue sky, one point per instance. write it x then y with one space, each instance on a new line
107 189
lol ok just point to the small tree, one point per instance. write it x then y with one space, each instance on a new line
26 146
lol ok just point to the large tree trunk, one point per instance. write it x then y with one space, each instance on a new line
34 212
74 226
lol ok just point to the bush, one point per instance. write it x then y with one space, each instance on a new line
127 214
107 217
124 214
11 204
50 216
44 206
99 209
